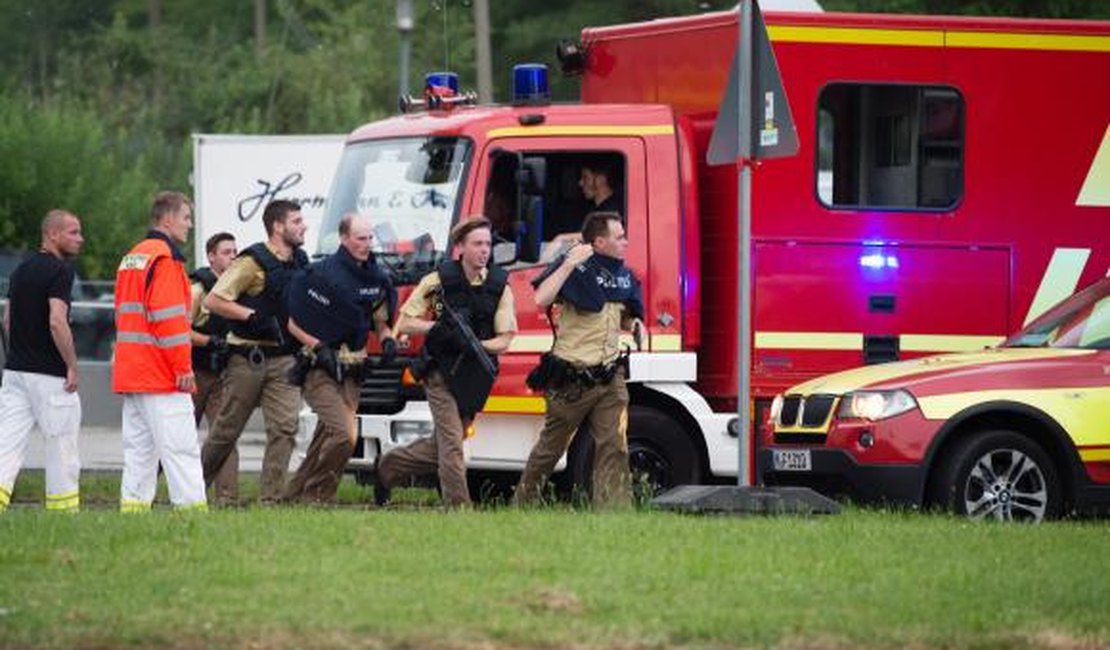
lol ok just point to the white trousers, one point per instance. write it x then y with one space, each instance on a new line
29 400
160 427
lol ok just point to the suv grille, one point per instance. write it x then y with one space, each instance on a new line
809 412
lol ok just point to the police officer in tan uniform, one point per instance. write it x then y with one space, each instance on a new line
481 293
333 307
583 376
209 339
251 296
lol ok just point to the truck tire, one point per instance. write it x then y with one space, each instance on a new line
998 475
661 454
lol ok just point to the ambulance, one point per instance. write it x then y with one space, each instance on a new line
952 182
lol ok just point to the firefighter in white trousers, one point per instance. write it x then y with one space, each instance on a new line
40 376
153 364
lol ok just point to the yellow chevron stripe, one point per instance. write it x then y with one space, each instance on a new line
1096 188
515 404
200 506
938 38
582 130
1059 280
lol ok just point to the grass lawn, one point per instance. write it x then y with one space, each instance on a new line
415 577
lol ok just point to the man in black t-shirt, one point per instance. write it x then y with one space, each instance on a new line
40 377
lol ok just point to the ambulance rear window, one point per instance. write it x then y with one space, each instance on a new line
890 147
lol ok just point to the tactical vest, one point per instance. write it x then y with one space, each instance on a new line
214 324
271 300
336 298
476 303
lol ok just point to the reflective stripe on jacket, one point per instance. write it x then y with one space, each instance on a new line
152 320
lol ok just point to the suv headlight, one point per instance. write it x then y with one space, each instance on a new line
875 404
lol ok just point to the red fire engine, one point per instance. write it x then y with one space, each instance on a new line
952 182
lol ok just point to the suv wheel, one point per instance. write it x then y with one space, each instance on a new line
999 475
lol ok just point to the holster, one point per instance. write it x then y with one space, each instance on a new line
302 363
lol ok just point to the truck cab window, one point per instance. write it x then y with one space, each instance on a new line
577 183
889 146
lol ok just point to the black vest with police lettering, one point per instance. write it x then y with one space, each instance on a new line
476 303
335 299
271 300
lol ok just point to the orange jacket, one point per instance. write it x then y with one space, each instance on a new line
152 318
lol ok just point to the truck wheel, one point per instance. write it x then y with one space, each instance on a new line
998 475
660 454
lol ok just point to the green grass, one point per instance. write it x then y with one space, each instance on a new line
501 578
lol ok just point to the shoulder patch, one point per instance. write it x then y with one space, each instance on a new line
134 262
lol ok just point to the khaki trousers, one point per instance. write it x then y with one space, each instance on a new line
441 453
332 443
604 409
245 387
206 404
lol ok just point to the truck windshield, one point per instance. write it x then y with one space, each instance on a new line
410 190
1082 321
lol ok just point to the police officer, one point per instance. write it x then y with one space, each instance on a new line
482 296
209 339
332 309
251 296
584 374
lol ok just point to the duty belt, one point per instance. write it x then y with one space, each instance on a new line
256 354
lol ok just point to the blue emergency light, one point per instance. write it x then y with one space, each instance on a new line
530 84
442 80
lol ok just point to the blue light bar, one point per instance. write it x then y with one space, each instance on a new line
442 80
530 84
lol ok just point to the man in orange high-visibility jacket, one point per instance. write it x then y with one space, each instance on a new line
153 364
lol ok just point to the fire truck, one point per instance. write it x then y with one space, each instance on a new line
952 182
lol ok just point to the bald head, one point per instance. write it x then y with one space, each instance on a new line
355 235
61 233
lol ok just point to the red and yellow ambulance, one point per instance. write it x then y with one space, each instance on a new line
1020 431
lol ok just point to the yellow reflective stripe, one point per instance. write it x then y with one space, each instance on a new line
1096 188
166 314
69 501
1059 280
945 343
514 404
531 343
5 496
1011 41
666 342
855 36
1094 455
809 340
582 130
199 506
133 505
938 38
854 341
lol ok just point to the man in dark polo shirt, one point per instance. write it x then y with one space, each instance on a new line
40 377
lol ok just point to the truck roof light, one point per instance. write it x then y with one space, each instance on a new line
441 91
530 84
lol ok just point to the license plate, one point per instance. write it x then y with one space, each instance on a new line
791 460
